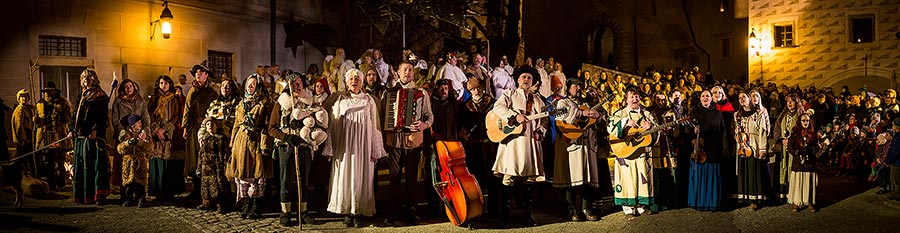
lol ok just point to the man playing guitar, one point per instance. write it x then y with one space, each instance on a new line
631 184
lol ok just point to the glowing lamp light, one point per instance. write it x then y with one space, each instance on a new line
164 22
166 19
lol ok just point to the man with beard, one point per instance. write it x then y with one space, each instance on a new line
480 151
53 112
446 112
481 71
404 142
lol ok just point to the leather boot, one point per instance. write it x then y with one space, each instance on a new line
528 206
504 204
245 209
285 218
573 213
255 209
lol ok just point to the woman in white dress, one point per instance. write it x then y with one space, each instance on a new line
355 144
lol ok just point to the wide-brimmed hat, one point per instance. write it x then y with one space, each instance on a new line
199 67
50 86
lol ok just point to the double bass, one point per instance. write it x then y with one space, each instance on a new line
457 188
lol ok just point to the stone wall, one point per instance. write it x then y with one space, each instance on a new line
118 33
823 55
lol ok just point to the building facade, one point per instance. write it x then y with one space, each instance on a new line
826 43
632 35
61 38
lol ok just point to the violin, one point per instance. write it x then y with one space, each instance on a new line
698 156
744 148
458 189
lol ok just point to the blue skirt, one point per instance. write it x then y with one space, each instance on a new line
704 186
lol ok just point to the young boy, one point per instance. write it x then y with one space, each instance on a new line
135 148
214 187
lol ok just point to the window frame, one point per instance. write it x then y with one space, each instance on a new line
62 46
793 34
850 27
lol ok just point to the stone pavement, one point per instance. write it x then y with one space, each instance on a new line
844 208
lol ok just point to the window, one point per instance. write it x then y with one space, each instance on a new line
62 46
862 28
726 47
784 35
220 63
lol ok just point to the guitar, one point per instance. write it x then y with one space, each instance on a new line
576 129
499 130
637 138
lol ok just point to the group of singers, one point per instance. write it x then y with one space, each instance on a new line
291 127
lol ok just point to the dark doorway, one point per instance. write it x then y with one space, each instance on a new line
601 47
67 79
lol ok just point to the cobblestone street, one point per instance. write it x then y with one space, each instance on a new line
841 211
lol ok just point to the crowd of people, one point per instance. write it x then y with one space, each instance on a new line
656 141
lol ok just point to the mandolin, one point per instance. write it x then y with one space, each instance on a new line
576 129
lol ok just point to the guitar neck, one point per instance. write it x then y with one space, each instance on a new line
663 126
537 116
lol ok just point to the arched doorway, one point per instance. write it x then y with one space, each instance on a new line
601 47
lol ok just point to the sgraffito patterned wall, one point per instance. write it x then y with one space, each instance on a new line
823 55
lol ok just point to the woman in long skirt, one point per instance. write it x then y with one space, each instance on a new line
705 181
752 131
803 179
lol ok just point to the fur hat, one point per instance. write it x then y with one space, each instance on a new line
474 83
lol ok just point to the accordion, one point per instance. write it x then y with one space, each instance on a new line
402 109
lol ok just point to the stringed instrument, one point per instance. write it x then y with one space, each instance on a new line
637 138
499 128
576 129
744 148
699 156
457 189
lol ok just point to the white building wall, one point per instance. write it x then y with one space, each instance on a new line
824 56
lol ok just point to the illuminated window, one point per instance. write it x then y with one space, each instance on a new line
220 63
862 28
62 46
784 35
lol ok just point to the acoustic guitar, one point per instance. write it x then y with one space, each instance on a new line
499 129
576 129
637 138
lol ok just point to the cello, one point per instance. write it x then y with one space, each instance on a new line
457 188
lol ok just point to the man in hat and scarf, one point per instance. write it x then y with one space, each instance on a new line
201 94
53 113
88 128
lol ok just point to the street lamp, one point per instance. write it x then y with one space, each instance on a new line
756 47
165 20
